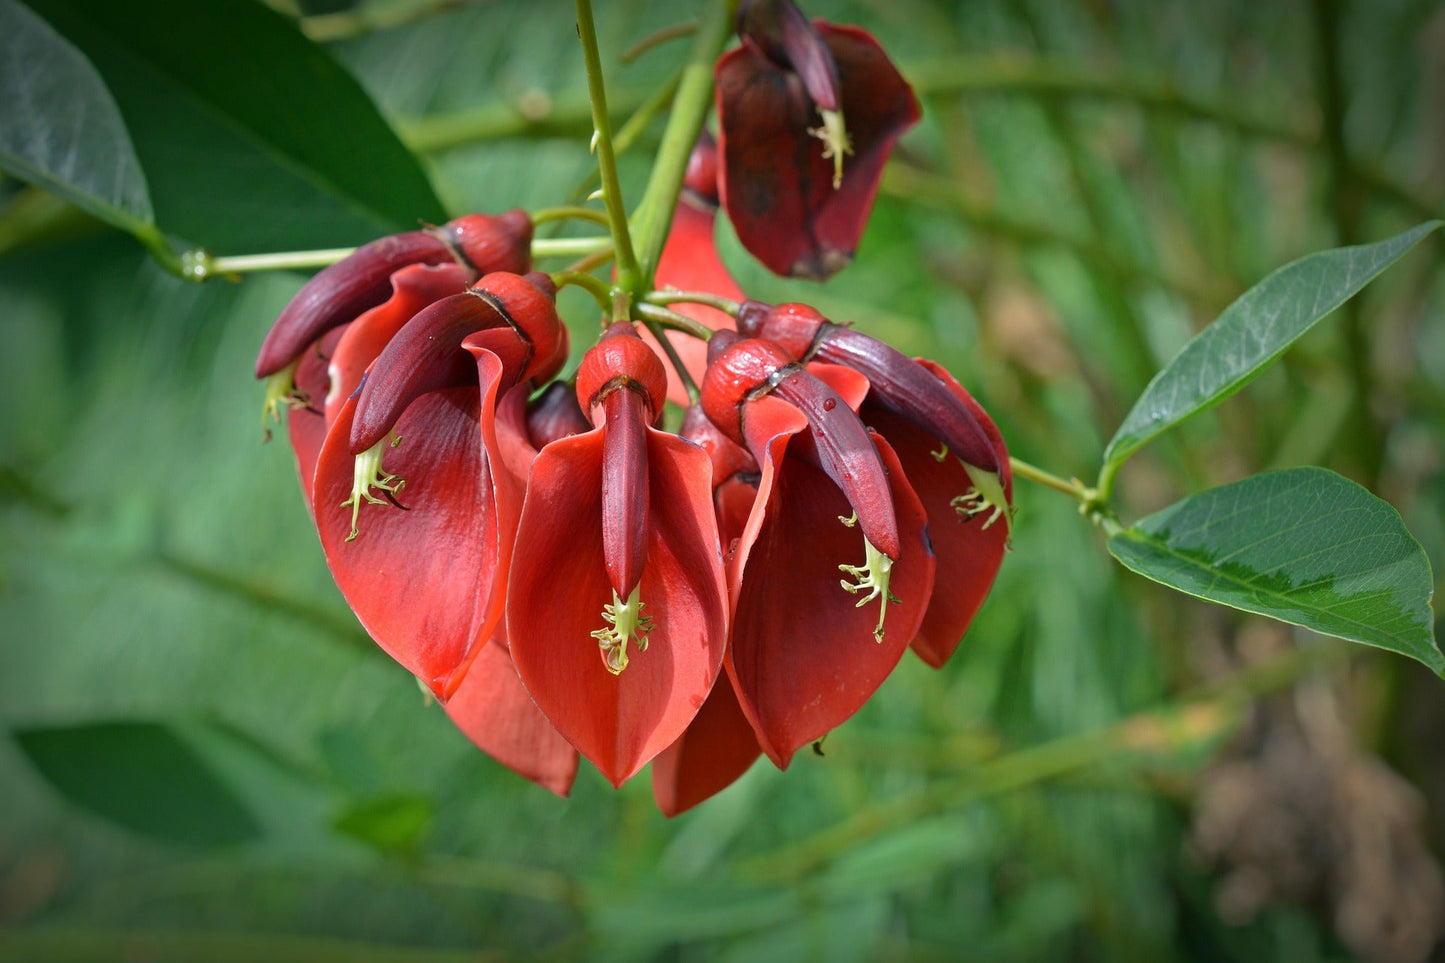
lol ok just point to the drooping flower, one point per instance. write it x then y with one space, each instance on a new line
807 648
616 603
337 295
950 449
425 568
807 115
690 262
719 745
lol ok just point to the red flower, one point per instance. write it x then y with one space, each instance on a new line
807 114
949 448
616 604
806 651
428 582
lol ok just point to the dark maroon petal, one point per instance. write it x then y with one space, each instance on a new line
342 291
776 185
425 355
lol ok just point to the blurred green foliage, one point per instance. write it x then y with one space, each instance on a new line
1092 183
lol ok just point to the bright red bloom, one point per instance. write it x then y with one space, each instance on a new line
428 582
616 604
950 449
806 651
807 114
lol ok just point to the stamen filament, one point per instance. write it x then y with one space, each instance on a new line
836 144
625 621
281 391
987 493
872 576
368 474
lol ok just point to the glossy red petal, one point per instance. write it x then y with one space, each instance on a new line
776 185
493 709
803 656
559 585
969 555
425 581
717 748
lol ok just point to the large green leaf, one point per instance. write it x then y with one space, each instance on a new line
251 137
143 776
59 126
1303 545
1252 332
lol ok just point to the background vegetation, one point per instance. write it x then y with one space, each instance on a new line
208 759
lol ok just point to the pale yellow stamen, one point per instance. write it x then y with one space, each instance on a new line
986 495
625 622
872 576
836 144
941 454
368 474
281 392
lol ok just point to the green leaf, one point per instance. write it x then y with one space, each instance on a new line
1304 546
1251 333
258 143
142 776
59 126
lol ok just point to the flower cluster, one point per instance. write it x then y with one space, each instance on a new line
567 576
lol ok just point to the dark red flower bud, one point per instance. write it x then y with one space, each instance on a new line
362 280
899 383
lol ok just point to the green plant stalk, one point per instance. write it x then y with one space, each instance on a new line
628 275
689 111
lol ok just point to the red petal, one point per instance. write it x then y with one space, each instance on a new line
559 585
803 656
969 555
717 748
425 582
494 711
776 185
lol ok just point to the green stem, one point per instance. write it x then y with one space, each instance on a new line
628 274
1072 487
658 315
567 211
689 110
658 321
659 37
725 305
206 266
591 283
569 246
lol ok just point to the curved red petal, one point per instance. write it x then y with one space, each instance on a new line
494 711
969 555
426 582
717 748
803 656
559 585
